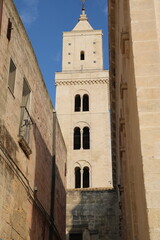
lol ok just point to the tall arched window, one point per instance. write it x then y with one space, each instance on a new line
85 177
86 138
82 55
77 106
77 138
77 177
85 102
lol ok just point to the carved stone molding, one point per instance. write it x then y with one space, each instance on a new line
125 43
82 82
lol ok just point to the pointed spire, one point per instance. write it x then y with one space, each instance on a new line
83 16
83 5
83 23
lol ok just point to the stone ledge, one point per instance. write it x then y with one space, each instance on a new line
90 189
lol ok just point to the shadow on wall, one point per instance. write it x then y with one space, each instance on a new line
45 224
92 215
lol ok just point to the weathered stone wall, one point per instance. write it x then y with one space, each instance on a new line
135 100
27 173
60 182
95 211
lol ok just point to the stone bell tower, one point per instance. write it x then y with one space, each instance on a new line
82 105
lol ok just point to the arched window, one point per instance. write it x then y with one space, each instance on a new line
85 102
85 177
77 138
86 138
82 55
77 106
77 177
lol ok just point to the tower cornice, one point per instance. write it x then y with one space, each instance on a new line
82 82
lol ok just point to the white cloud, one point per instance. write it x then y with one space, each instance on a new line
105 10
29 13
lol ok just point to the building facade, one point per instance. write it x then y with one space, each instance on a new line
83 111
32 150
134 33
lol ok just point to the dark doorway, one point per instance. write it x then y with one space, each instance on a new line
75 236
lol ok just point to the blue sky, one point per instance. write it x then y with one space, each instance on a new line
45 20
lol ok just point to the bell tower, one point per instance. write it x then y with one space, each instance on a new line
82 105
83 112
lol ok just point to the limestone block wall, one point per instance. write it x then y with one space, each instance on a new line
95 84
29 169
135 64
94 211
59 208
88 41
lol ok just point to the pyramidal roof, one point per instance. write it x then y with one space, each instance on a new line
83 23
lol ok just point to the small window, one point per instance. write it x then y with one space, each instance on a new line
85 177
69 62
86 138
94 61
69 44
25 94
9 29
94 52
1 8
12 76
82 55
77 138
77 177
77 107
69 53
94 42
85 102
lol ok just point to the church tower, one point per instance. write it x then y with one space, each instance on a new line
82 106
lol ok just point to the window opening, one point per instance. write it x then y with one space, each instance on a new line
85 102
12 75
85 177
77 103
75 236
9 29
82 55
25 121
77 138
77 177
86 138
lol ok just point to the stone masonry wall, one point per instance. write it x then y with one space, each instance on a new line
27 180
95 211
60 182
